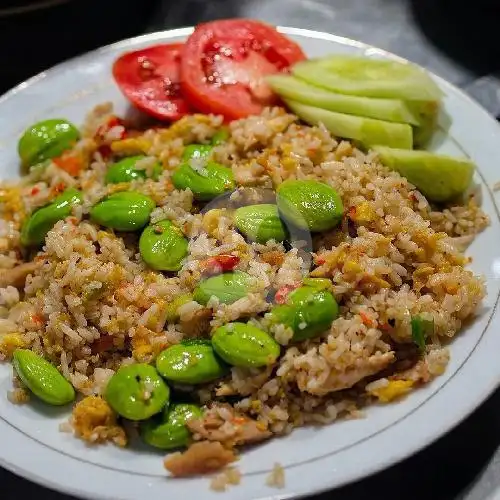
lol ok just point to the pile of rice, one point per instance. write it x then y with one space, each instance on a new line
88 303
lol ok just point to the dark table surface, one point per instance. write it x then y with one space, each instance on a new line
452 39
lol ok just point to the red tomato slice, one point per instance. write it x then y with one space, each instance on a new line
224 64
149 78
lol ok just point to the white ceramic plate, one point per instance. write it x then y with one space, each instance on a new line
314 459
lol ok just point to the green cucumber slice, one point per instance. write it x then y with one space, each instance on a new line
427 114
392 110
368 77
438 177
366 130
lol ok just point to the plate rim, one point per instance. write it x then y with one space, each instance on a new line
319 35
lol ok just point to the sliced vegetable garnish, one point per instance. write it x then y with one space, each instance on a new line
421 328
393 110
149 78
369 77
366 130
224 64
439 177
427 113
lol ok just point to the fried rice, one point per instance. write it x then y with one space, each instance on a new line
88 303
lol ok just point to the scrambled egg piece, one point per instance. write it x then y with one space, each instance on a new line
393 390
210 221
9 343
143 353
12 205
185 124
131 146
143 349
364 212
94 421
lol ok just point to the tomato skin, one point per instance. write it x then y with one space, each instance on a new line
234 48
282 294
219 264
149 78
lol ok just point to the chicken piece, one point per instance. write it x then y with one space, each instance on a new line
221 423
94 421
198 324
16 276
336 380
199 458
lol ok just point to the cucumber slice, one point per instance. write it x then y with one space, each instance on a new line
366 130
392 110
438 177
427 113
369 77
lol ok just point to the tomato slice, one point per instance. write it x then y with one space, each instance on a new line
149 78
224 64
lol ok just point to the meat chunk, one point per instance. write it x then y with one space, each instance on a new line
344 380
251 431
198 324
17 275
320 379
199 458
223 424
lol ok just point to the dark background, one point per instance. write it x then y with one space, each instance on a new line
458 41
